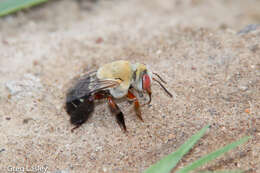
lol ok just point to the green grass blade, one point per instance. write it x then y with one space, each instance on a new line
11 6
166 164
211 156
225 171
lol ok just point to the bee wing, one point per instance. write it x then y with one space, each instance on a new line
89 84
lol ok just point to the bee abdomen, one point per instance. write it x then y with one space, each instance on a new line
80 110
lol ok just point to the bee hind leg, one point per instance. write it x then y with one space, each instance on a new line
133 98
119 115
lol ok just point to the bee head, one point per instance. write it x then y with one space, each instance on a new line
142 78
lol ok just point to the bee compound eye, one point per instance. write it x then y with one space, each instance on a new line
146 82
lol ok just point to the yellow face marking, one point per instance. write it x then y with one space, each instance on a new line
140 69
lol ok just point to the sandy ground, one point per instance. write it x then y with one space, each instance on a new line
212 71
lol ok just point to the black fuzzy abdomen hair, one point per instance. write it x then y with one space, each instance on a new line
80 110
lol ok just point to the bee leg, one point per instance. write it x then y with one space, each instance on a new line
77 126
99 96
119 115
132 97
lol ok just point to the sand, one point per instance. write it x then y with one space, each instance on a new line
211 64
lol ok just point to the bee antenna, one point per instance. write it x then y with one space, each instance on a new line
160 78
163 87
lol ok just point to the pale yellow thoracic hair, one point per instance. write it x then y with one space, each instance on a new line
122 71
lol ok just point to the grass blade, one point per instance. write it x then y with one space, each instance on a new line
225 171
166 164
11 6
211 156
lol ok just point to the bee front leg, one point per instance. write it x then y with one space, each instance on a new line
132 97
119 115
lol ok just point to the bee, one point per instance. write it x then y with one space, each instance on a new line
111 81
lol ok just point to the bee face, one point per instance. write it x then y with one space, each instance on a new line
142 77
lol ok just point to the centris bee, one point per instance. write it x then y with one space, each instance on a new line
111 81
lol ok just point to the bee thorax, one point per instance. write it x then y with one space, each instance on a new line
118 92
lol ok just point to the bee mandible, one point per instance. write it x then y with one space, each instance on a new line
111 81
